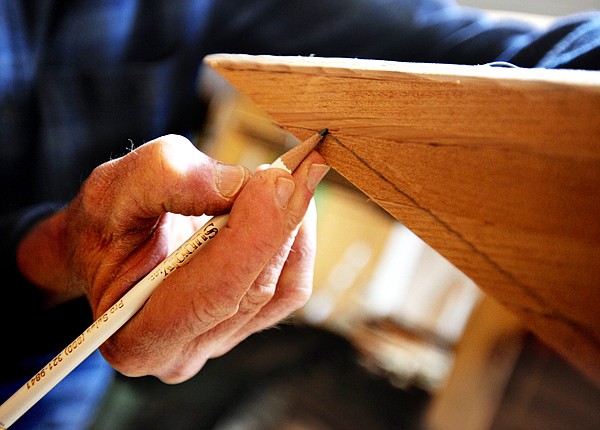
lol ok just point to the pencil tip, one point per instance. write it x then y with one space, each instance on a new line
294 156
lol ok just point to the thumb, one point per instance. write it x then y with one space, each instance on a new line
168 174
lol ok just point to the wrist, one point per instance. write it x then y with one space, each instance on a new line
42 260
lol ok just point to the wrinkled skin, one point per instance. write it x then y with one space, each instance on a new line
135 210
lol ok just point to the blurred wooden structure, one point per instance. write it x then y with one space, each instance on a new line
497 168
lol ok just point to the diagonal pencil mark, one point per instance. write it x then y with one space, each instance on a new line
551 314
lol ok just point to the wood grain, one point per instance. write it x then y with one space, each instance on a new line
498 169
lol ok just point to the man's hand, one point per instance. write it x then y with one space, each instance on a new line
134 211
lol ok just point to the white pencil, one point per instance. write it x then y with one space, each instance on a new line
126 307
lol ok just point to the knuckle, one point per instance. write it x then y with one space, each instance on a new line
172 152
293 219
257 296
213 308
170 141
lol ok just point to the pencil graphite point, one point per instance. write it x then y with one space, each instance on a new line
292 159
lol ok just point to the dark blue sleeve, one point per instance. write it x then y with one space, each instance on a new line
571 42
402 30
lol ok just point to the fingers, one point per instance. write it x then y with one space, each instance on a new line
290 291
225 287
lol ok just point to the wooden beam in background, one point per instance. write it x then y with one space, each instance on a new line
498 169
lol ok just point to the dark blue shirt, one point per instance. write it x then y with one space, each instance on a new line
82 80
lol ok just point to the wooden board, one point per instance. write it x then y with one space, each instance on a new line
496 168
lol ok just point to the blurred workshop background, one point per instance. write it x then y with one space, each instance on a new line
394 336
